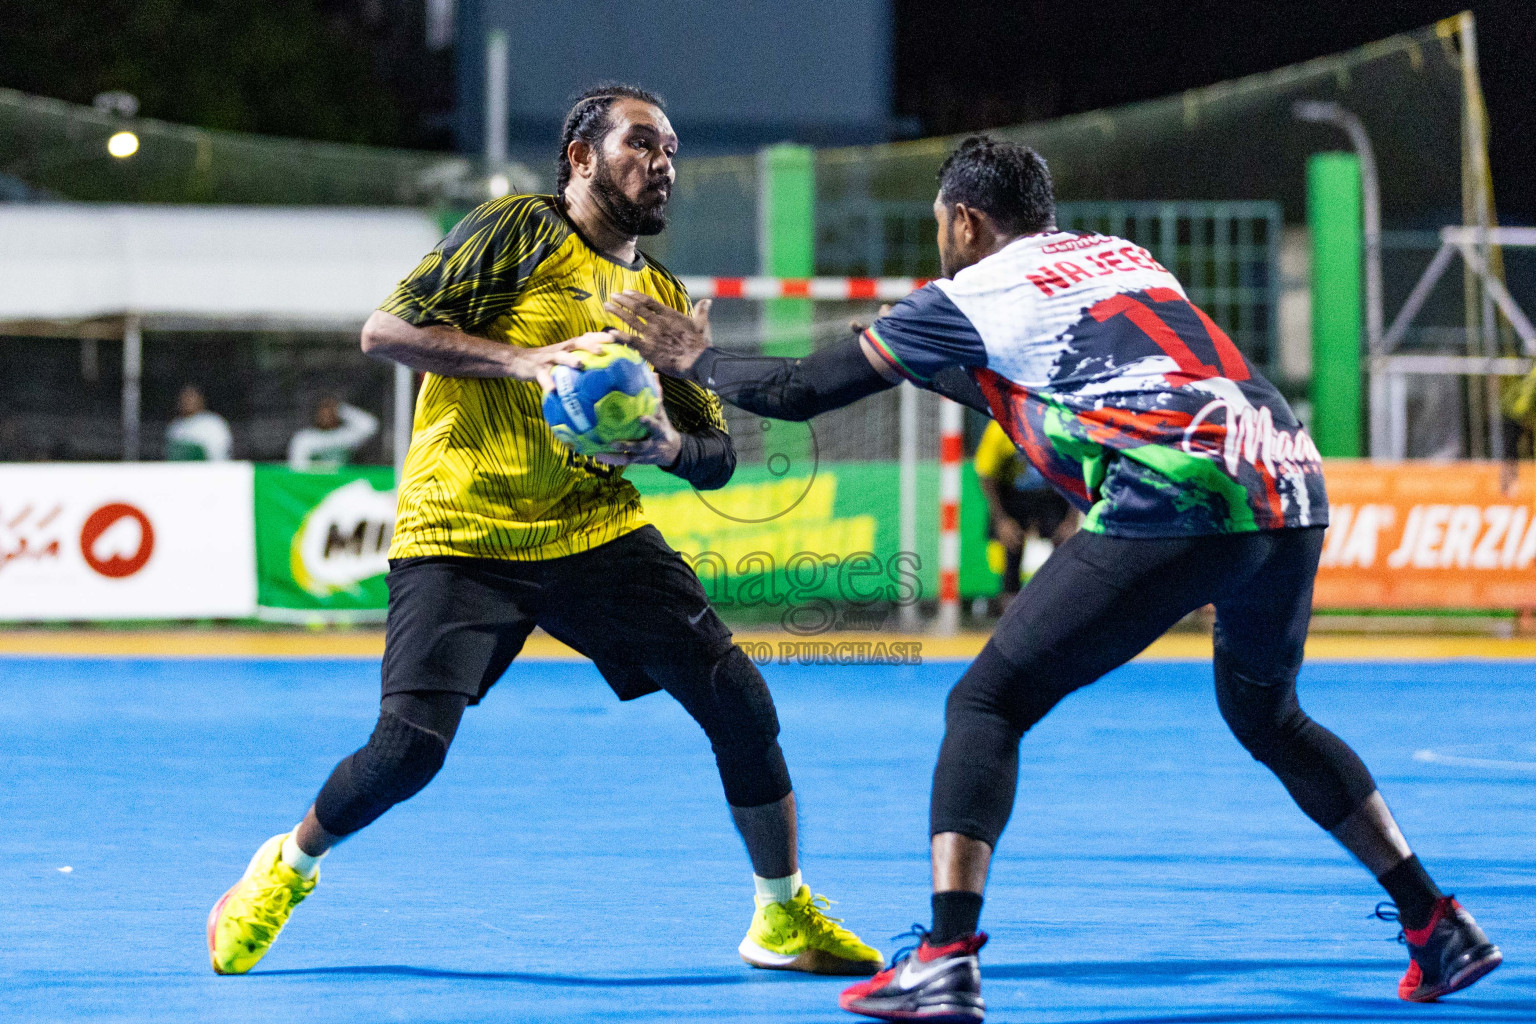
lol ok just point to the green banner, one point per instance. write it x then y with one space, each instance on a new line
834 535
764 546
322 541
976 576
769 542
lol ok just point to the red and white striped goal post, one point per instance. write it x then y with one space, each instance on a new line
951 457
847 289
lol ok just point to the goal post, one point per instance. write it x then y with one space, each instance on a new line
913 435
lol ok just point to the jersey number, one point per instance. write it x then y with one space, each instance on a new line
1232 366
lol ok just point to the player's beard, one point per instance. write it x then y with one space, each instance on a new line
646 216
946 251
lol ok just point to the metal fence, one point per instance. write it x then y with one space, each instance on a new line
1226 254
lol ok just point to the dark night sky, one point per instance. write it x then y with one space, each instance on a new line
972 64
959 64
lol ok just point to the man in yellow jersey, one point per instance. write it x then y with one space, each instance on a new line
1019 502
501 529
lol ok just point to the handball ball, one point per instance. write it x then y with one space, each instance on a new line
601 403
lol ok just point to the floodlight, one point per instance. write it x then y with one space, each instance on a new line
123 145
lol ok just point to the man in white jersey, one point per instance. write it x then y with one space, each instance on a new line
1198 486
338 431
197 434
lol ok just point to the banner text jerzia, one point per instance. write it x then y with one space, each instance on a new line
1428 535
138 541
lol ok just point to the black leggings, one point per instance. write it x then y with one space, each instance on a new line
407 748
1097 603
726 696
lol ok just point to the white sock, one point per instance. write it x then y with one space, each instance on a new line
776 890
297 859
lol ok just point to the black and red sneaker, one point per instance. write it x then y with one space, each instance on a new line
1446 955
935 984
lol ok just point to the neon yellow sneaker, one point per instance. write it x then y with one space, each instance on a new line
247 918
798 936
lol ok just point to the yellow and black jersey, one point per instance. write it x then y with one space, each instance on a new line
485 477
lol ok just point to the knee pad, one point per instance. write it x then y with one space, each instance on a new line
399 759
977 774
740 711
995 687
1324 776
743 728
1262 715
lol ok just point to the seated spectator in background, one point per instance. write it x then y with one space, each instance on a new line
197 434
1020 504
339 430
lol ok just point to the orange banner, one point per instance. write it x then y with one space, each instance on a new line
1428 535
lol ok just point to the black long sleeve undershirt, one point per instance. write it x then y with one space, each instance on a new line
797 389
791 389
707 459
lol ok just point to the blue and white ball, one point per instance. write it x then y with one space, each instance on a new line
602 403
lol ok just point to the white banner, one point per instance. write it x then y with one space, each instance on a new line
127 541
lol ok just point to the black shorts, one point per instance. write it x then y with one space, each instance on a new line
632 605
1043 509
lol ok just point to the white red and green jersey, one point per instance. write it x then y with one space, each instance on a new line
1126 396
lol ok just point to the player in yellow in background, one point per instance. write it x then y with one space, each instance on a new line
501 529
1019 504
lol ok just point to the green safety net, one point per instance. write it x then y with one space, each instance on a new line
50 149
1237 141
1211 181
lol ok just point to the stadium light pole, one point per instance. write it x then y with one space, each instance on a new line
133 370
1329 112
496 85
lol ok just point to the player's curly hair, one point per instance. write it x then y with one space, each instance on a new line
1007 181
588 121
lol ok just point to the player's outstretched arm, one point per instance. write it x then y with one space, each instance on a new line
784 389
449 353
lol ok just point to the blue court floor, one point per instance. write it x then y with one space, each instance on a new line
574 860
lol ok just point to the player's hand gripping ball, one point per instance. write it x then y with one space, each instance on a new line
602 403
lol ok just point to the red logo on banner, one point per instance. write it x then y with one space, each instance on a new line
116 565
